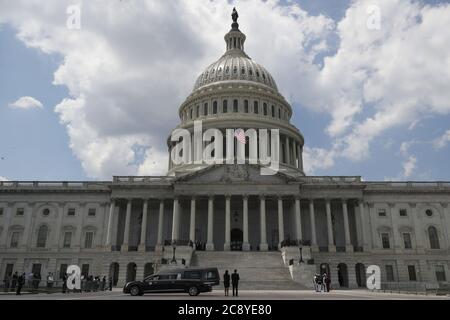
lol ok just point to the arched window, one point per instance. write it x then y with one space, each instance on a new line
243 70
225 106
198 111
273 111
246 106
42 237
250 72
255 107
227 70
215 107
265 109
205 109
434 239
235 105
235 70
279 113
192 113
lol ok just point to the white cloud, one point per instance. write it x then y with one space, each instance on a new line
132 64
442 141
26 103
3 179
409 166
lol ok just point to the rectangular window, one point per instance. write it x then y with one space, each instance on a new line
255 107
36 268
407 240
20 211
440 273
205 109
91 212
67 239
15 239
62 270
235 106
265 109
1 211
225 106
412 273
246 106
385 240
198 111
85 270
382 212
71 212
403 212
9 270
88 240
193 275
390 273
215 107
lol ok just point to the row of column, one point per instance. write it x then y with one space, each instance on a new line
210 229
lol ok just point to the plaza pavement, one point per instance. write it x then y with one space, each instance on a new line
117 294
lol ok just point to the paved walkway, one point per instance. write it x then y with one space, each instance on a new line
117 294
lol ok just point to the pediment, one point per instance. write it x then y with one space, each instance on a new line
234 173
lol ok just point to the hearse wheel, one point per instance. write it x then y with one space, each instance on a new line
193 291
135 291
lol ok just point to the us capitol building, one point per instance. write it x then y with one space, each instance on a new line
277 230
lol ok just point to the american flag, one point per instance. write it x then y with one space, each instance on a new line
240 136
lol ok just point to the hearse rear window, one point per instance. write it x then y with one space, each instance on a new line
192 275
210 275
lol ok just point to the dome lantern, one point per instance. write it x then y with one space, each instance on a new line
235 38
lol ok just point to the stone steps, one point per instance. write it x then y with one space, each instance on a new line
257 270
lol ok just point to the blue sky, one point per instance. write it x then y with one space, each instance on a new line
37 144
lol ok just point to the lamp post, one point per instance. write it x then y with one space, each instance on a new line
301 255
173 258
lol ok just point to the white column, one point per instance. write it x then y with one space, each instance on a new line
287 151
263 246
300 158
395 232
298 220
8 218
109 231
142 243
348 243
176 220
280 222
313 224
159 242
331 245
444 218
192 221
126 234
226 246
58 225
365 234
246 244
210 238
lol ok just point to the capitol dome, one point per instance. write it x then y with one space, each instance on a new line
235 65
237 93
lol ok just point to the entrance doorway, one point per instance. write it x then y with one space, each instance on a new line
148 269
114 272
360 271
236 240
343 275
131 272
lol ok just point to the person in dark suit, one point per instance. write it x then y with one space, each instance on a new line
226 282
235 282
20 283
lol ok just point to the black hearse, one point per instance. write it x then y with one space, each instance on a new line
189 280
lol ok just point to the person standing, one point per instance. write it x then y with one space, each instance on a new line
20 283
235 282
7 281
110 283
15 278
103 285
226 282
49 281
64 286
327 283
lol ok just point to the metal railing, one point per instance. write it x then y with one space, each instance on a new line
415 287
55 184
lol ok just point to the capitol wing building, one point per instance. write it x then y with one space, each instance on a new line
277 229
